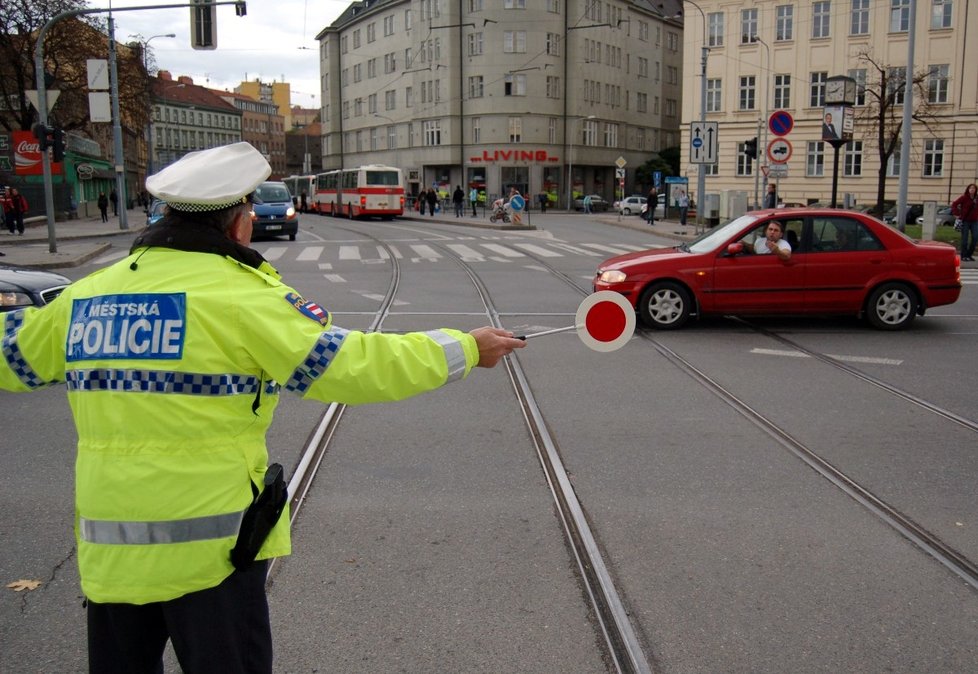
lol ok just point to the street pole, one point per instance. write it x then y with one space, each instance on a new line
570 164
905 131
120 178
767 114
149 118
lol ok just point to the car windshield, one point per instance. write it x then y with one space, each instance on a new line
272 193
713 239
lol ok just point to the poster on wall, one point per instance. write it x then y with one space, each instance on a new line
27 155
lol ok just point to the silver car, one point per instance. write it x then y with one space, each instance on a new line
944 217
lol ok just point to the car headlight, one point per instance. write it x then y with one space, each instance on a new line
290 213
11 298
612 276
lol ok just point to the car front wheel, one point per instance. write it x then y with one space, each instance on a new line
665 306
892 306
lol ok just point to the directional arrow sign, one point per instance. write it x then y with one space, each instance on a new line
703 142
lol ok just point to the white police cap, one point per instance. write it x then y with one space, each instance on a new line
210 180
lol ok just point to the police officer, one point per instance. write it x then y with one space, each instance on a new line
174 359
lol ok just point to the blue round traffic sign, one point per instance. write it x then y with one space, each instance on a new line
780 123
517 203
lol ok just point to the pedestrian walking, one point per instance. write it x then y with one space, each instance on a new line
15 206
458 200
432 198
542 198
114 198
771 198
965 209
682 201
103 206
474 198
587 204
174 358
651 201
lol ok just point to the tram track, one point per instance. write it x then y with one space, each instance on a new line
624 648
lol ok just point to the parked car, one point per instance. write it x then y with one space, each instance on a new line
914 211
154 213
630 205
944 217
274 211
597 203
24 287
842 263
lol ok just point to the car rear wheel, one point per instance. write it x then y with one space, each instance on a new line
627 211
892 306
665 306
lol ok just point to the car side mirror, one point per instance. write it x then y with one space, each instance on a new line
735 248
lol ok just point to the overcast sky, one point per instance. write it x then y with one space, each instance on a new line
276 41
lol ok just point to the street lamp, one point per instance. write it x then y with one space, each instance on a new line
149 118
570 165
763 121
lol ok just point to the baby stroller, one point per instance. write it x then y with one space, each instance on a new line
499 211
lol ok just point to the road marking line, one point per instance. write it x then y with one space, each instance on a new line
309 253
349 252
274 253
846 359
505 251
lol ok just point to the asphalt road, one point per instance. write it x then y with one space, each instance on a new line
430 542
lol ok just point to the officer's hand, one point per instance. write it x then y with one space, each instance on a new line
494 343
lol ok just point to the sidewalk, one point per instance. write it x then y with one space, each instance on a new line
81 240
76 241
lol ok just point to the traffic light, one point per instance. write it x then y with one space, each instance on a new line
750 147
240 9
43 135
203 24
57 145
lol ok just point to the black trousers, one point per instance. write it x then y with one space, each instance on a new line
223 629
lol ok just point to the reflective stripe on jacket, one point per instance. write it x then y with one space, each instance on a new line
173 383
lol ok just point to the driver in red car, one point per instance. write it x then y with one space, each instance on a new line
773 242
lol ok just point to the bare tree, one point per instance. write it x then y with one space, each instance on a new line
67 46
882 115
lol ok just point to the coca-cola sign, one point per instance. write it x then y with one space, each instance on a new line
27 155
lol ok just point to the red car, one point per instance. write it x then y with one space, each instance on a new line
842 263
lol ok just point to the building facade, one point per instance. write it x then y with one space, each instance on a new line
263 127
499 93
188 117
278 93
776 55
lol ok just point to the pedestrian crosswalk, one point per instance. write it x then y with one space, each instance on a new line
969 277
420 252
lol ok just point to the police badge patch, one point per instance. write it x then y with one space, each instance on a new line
308 309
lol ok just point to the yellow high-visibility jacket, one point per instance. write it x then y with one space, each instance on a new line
173 362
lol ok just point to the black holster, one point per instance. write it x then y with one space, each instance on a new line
260 517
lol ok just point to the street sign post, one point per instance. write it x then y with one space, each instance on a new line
779 151
780 122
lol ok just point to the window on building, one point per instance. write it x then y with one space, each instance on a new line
714 91
748 93
408 19
475 5
475 87
896 80
816 96
784 22
552 130
431 129
514 4
859 18
388 25
474 44
821 17
748 25
514 42
782 91
515 129
589 131
933 158
391 137
641 102
514 85
714 36
390 99
815 159
938 81
553 86
375 138
553 44
371 32
553 6
358 107
356 39
899 16
371 68
476 130
940 14
611 135
745 165
372 103
408 97
893 164
853 161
